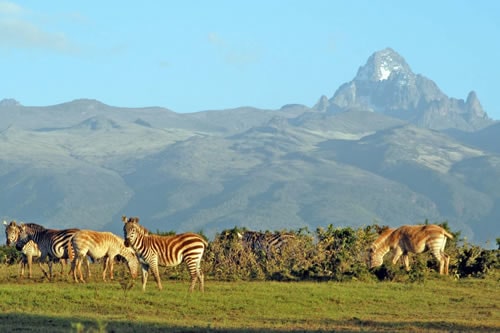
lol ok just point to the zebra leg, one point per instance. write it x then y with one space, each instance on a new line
50 268
156 274
196 275
29 259
22 264
43 269
397 254
80 260
406 261
202 281
111 262
105 268
201 278
87 264
439 255
444 262
73 271
447 263
145 269
63 265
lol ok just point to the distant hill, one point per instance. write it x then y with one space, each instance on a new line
388 147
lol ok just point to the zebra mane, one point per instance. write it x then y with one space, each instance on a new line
34 227
383 237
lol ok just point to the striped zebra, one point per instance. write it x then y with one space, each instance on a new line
98 245
53 244
29 251
411 239
260 242
28 248
154 250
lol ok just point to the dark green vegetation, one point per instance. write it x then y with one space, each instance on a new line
338 254
395 151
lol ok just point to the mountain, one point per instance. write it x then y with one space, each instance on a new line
387 84
389 147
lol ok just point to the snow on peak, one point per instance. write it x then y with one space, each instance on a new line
381 65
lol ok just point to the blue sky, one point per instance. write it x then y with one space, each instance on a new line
191 56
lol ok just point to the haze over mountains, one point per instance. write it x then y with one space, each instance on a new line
388 147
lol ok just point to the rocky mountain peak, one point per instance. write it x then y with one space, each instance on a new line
381 65
474 106
386 84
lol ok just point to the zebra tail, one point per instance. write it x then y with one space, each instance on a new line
447 234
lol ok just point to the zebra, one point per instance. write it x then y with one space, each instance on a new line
154 250
54 244
411 239
267 243
98 245
28 248
29 251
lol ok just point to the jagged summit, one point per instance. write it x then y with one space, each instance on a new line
381 65
387 84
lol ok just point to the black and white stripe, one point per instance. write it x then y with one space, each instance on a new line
52 243
154 250
264 243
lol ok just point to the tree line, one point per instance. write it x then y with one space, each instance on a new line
327 254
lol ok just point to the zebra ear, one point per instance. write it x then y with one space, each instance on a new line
136 219
124 219
5 223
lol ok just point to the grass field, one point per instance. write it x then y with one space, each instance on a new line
436 305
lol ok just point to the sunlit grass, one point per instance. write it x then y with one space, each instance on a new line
440 304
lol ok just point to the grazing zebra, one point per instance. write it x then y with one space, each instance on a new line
154 250
98 245
54 244
411 239
260 242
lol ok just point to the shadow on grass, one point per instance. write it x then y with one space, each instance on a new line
20 322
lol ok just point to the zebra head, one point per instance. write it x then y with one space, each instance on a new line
23 234
132 261
11 232
131 230
374 258
379 248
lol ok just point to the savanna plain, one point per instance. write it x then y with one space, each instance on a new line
438 304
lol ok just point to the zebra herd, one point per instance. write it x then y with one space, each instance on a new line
140 247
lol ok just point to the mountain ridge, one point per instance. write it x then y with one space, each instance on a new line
388 147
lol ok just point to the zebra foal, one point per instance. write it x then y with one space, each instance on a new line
98 245
154 250
411 239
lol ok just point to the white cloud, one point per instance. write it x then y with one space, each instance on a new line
18 31
22 34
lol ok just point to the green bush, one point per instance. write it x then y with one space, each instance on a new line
331 253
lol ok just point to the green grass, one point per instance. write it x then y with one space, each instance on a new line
438 305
